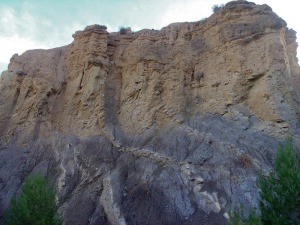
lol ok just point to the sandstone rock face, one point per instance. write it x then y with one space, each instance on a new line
153 127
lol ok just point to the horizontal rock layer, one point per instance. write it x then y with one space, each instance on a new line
153 127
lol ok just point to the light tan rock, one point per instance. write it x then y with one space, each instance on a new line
151 78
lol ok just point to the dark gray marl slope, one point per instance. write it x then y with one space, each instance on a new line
181 175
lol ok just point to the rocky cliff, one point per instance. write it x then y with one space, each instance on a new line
165 126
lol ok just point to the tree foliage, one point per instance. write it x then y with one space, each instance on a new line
239 218
280 193
122 30
216 8
35 206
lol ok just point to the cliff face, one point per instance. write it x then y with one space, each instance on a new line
153 127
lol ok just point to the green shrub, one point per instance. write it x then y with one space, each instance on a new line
35 206
216 8
122 30
280 193
238 218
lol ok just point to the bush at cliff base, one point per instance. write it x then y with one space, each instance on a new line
36 204
280 193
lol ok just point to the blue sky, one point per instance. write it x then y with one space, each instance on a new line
32 24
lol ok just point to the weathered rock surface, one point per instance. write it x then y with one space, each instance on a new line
153 127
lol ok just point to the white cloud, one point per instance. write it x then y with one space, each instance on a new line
17 32
7 19
185 11
3 66
15 44
21 31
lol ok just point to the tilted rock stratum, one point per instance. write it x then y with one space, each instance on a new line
167 126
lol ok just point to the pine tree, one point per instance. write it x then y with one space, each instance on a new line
280 191
35 206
